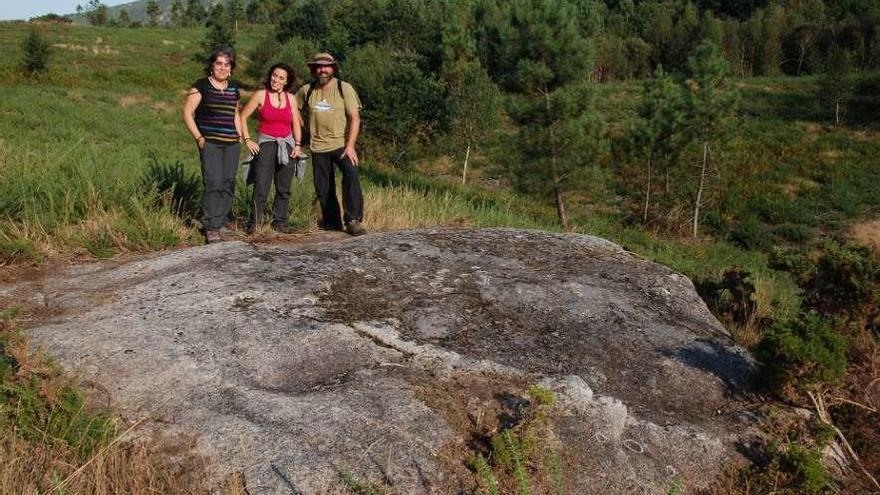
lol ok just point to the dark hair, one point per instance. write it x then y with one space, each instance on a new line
217 53
291 76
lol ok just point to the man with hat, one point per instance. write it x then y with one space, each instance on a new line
333 110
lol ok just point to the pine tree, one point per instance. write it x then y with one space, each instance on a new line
544 60
836 84
220 33
195 13
235 11
658 136
153 12
97 13
711 108
177 13
473 100
36 53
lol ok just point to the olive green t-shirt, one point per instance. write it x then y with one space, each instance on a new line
327 114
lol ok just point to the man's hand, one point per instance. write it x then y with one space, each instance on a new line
351 154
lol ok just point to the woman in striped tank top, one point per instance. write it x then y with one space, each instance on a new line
277 147
211 115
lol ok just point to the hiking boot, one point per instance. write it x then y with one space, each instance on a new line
212 236
329 226
354 228
282 228
226 233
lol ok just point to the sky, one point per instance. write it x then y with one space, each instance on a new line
24 9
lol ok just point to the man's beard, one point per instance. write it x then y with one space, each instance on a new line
324 78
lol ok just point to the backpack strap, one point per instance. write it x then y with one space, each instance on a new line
309 94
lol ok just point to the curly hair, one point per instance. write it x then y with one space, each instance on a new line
291 76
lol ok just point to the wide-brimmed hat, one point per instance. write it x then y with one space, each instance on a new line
323 59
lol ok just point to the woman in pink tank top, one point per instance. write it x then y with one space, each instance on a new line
277 147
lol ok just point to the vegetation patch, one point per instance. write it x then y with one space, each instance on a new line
522 457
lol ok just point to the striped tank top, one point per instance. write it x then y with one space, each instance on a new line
215 115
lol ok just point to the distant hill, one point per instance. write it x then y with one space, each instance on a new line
137 10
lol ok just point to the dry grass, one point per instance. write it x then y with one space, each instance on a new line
867 233
128 101
128 467
401 207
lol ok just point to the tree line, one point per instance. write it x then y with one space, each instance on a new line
629 38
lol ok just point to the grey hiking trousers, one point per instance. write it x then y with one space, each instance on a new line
219 164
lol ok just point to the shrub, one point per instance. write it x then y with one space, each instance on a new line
802 354
846 279
732 299
806 465
750 234
36 53
402 105
795 261
14 249
794 232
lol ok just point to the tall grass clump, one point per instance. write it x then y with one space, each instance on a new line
173 184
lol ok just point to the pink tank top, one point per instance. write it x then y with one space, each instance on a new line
276 122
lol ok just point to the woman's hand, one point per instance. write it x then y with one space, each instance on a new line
253 147
296 152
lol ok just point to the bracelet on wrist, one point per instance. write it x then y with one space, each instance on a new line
248 139
200 137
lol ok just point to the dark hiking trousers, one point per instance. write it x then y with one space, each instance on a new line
219 163
267 169
323 165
